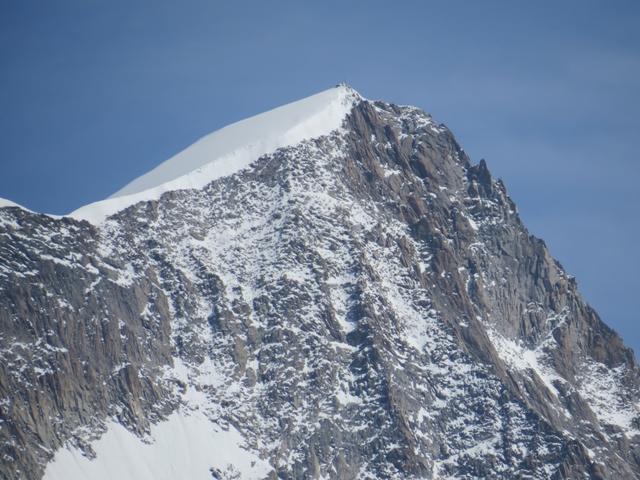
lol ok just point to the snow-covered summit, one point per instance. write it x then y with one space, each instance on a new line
232 148
369 305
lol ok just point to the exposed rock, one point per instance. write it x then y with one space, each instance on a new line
364 305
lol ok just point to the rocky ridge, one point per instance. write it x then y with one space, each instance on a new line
365 304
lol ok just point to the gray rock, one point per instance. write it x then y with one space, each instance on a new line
376 305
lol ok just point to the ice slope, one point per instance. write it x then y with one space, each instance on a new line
183 446
230 149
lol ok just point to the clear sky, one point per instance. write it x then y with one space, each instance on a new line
95 93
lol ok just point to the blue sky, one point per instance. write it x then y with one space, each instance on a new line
95 93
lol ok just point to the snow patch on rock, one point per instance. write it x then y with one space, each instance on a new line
600 386
186 445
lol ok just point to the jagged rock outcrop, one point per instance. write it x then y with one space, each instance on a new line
366 304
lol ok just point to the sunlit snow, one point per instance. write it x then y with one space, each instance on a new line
230 149
183 446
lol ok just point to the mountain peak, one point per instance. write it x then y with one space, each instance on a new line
310 117
233 148
364 305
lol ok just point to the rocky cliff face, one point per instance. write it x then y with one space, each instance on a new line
366 304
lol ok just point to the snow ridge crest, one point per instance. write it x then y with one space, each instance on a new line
231 149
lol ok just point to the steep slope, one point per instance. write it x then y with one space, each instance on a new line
230 149
361 304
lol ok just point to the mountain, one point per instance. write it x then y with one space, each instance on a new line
327 290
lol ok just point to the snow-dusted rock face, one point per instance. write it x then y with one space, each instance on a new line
362 304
